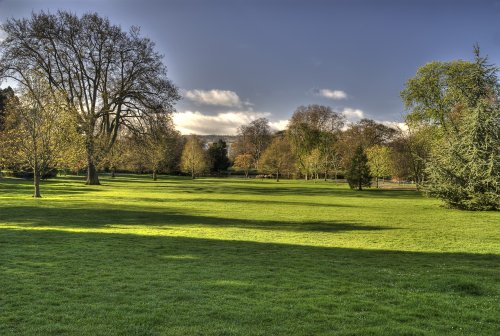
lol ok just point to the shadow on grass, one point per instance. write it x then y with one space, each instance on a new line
88 281
96 218
261 202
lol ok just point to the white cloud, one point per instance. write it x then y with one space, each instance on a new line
226 123
394 124
332 94
353 114
279 125
214 97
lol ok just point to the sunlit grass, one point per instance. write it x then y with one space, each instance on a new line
242 257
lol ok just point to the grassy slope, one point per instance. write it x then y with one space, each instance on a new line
240 257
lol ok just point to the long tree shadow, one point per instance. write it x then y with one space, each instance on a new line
262 202
91 281
104 217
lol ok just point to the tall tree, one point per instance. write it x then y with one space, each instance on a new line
358 173
194 158
458 102
110 78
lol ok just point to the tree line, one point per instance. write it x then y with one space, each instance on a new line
92 97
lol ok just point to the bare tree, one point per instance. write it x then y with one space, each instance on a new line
111 79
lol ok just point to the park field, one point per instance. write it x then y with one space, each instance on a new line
242 257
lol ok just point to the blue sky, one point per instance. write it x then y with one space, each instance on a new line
238 60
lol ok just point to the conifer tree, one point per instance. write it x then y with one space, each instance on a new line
358 173
465 169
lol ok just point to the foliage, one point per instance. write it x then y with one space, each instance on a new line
379 161
243 162
465 169
34 129
156 145
358 172
253 139
278 157
458 102
441 91
217 156
313 127
6 95
194 158
365 133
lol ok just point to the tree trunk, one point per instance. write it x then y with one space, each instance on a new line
36 183
246 174
278 176
359 185
192 174
306 177
155 177
376 179
92 177
113 172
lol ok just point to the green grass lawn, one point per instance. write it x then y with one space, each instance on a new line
242 257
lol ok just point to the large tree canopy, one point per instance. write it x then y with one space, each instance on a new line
441 91
111 78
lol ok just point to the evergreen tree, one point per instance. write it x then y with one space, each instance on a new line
217 154
358 173
465 169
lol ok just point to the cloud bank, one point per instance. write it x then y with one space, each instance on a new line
224 123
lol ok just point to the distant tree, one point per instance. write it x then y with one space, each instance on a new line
365 133
33 129
194 158
312 163
253 139
243 162
111 79
358 172
115 157
6 95
313 127
217 156
157 142
278 157
379 161
465 169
